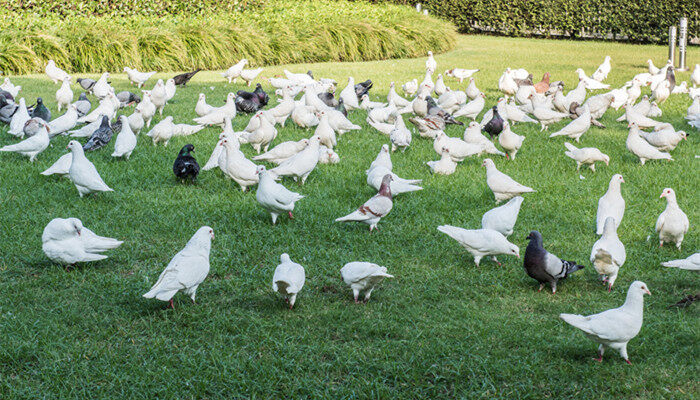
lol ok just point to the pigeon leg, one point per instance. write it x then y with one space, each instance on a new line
541 286
170 304
290 215
628 361
661 243
495 260
601 350
356 294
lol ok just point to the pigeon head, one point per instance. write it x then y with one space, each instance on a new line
39 101
186 150
606 159
513 250
260 170
534 237
284 258
385 148
202 237
488 163
75 225
73 145
669 194
639 288
385 188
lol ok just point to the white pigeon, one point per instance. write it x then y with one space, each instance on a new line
664 137
284 109
374 209
427 82
67 241
300 165
502 219
304 116
300 78
472 109
186 271
545 115
503 186
249 75
481 242
383 159
83 173
146 108
641 148
383 115
106 107
9 87
19 119
237 166
641 120
695 75
616 327
608 253
327 156
398 185
65 122
138 78
102 87
234 71
202 108
282 151
510 141
459 149
507 84
339 122
288 279
163 131
32 146
672 224
260 138
430 63
591 84
394 98
324 131
473 135
64 95
186 129
445 165
159 96
585 156
86 130
125 143
363 276
349 96
611 204
400 136
661 92
472 91
603 70
576 128
461 73
273 196
54 73
170 89
451 100
691 263
440 87
366 104
410 87
60 167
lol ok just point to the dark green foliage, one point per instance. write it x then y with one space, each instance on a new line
639 21
123 8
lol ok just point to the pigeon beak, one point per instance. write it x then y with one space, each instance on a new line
662 195
647 291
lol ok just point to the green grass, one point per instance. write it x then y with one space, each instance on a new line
442 329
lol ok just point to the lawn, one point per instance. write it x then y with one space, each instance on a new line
442 329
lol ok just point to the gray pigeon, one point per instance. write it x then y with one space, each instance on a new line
83 105
33 126
127 98
40 111
544 266
86 83
100 137
7 112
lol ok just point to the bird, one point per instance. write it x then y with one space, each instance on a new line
428 127
288 279
410 87
324 130
641 148
100 137
434 109
692 263
234 71
481 242
350 99
147 109
83 173
611 204
40 111
576 128
430 63
686 301
695 75
664 137
66 241
185 167
282 151
125 143
127 98
495 125
445 165
461 73
585 156
186 271
86 83
374 209
672 224
473 108
400 136
544 266
376 174
102 88
55 73
502 219
300 165
249 75
64 95
251 102
136 77
591 84
503 186
363 276
603 70
159 96
363 88
65 122
237 166
616 327
327 156
31 147
545 115
459 149
273 196
60 167
163 131
183 79
20 117
543 85
510 141
608 253
440 87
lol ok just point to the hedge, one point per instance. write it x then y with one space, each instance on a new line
632 20
96 8
279 32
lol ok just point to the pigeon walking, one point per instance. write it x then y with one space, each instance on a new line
374 209
544 266
288 279
274 197
185 167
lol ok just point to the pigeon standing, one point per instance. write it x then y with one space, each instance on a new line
608 253
185 167
273 196
374 209
182 79
544 266
614 328
288 279
83 173
611 204
186 271
495 125
67 241
502 219
481 242
100 137
585 156
672 224
40 111
32 146
363 276
503 186
125 143
86 83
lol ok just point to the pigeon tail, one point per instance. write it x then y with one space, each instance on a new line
571 267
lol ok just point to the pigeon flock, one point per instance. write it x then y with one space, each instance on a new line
312 104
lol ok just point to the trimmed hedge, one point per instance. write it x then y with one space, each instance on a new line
634 20
281 32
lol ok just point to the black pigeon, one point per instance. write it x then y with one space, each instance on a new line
127 98
83 105
341 107
495 126
100 137
86 83
671 78
686 301
182 79
251 102
186 167
7 112
40 111
544 266
8 97
363 88
434 109
328 99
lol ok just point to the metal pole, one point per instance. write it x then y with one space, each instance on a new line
682 42
672 44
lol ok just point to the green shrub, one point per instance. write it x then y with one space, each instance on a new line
280 32
637 21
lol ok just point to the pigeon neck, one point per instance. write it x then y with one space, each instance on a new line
634 303
671 202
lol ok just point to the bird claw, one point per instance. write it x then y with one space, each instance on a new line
290 215
628 361
599 359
